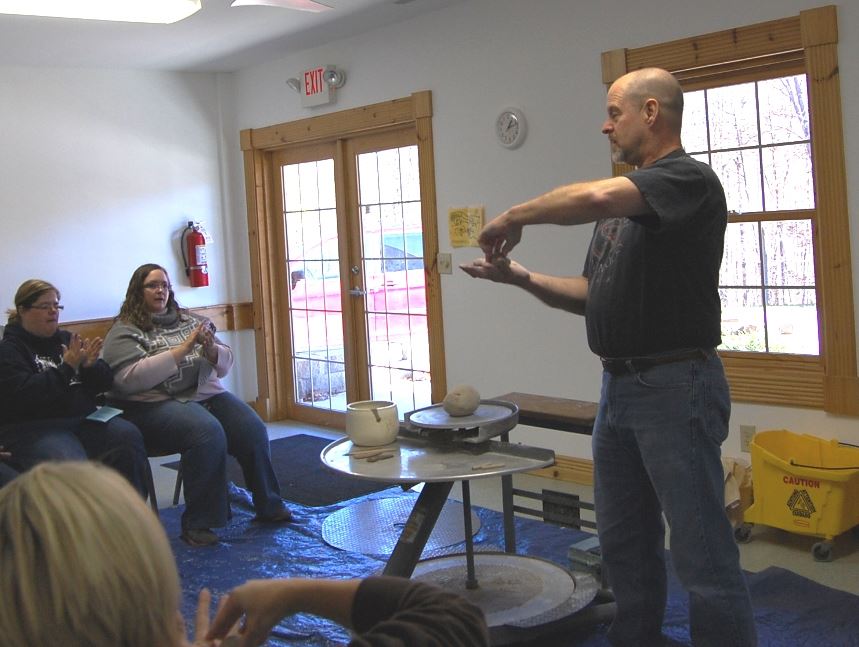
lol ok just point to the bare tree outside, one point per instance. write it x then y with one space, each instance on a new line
756 137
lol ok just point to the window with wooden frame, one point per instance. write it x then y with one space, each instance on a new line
763 107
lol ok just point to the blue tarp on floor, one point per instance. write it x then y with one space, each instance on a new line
789 610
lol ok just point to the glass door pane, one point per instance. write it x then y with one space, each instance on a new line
392 262
313 267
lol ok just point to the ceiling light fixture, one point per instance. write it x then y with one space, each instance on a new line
300 5
149 11
333 77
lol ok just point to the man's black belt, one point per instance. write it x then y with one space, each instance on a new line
623 365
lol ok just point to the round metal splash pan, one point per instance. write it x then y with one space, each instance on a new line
513 590
373 527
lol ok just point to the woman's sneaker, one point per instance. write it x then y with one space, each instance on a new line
281 516
199 537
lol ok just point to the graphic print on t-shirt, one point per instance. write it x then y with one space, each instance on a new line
605 248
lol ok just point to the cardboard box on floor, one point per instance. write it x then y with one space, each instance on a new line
739 493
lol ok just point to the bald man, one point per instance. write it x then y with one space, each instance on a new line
649 294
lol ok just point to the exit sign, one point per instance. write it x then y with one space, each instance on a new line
314 90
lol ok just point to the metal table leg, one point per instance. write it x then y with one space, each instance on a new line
417 530
507 506
471 578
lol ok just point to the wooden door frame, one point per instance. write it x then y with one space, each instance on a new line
278 158
271 334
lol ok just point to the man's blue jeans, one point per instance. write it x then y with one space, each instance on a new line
203 433
656 449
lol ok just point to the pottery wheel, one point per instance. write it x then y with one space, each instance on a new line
513 590
487 412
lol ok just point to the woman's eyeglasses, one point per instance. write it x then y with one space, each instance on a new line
47 306
155 285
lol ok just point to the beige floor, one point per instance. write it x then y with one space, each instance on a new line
768 546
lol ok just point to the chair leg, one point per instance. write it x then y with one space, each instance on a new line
150 487
178 490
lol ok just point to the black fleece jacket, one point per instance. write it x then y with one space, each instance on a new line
399 612
35 384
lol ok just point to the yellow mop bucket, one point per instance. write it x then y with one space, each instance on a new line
804 484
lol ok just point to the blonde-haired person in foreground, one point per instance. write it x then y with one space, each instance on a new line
86 563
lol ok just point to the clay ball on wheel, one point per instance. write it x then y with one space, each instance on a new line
462 400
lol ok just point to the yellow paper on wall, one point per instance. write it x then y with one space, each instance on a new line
464 225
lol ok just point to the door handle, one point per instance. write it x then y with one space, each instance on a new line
357 292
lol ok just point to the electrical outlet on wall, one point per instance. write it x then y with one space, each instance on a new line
747 432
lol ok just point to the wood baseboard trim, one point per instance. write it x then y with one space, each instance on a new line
569 469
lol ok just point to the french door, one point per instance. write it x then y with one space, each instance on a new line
355 302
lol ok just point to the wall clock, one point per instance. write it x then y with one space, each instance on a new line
510 127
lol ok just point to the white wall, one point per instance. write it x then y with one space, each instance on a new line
100 172
544 57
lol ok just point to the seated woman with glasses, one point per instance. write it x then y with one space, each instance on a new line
168 364
49 382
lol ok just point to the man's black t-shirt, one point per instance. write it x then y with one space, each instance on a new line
653 279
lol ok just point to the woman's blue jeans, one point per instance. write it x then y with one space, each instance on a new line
203 433
117 443
656 450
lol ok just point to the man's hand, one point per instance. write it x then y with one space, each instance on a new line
499 236
500 270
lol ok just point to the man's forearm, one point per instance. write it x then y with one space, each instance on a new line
568 293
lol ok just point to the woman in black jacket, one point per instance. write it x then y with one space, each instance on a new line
49 381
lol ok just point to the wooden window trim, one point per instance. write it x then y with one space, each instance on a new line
259 145
830 381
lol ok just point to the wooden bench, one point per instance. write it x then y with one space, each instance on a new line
230 316
561 414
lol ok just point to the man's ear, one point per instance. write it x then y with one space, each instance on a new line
651 111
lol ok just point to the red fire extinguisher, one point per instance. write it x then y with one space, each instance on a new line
193 246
